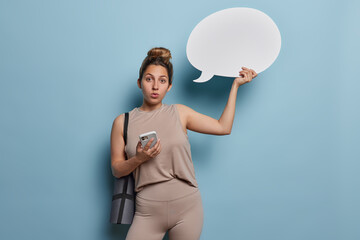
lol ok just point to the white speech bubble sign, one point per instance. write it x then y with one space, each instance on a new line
232 38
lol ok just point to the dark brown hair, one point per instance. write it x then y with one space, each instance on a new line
157 56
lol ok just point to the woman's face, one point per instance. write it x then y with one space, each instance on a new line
154 83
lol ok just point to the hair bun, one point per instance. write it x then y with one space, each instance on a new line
160 52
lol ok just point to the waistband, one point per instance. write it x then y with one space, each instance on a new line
167 191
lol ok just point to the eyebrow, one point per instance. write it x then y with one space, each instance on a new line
153 75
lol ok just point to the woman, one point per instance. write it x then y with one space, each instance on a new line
168 198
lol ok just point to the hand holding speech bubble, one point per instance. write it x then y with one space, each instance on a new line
232 38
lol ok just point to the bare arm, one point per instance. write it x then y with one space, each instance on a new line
227 117
119 165
204 124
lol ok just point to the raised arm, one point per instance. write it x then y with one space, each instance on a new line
201 123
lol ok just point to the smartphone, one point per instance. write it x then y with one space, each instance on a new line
145 138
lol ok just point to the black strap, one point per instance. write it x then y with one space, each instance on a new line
120 195
124 193
126 126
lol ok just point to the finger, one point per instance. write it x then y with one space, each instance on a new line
157 143
147 146
253 73
244 68
245 72
242 73
156 146
158 150
248 76
155 153
150 142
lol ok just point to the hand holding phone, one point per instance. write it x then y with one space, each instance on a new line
147 148
145 138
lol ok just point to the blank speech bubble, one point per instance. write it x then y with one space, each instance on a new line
232 38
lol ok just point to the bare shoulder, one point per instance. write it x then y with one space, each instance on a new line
117 144
183 109
120 117
119 123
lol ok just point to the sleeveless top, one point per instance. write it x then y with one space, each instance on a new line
174 159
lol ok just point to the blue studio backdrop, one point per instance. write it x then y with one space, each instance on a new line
288 170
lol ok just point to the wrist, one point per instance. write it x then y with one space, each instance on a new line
140 159
235 84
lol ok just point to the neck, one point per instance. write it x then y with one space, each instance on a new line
148 107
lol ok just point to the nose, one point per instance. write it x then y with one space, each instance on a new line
155 85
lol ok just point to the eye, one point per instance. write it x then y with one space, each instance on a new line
163 80
148 79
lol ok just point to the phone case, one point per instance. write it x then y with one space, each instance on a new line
145 138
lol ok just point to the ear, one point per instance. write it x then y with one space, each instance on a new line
139 83
169 87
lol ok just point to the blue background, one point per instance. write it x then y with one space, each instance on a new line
289 169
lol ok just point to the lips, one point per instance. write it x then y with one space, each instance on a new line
154 95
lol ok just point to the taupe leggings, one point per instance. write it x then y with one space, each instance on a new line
172 206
